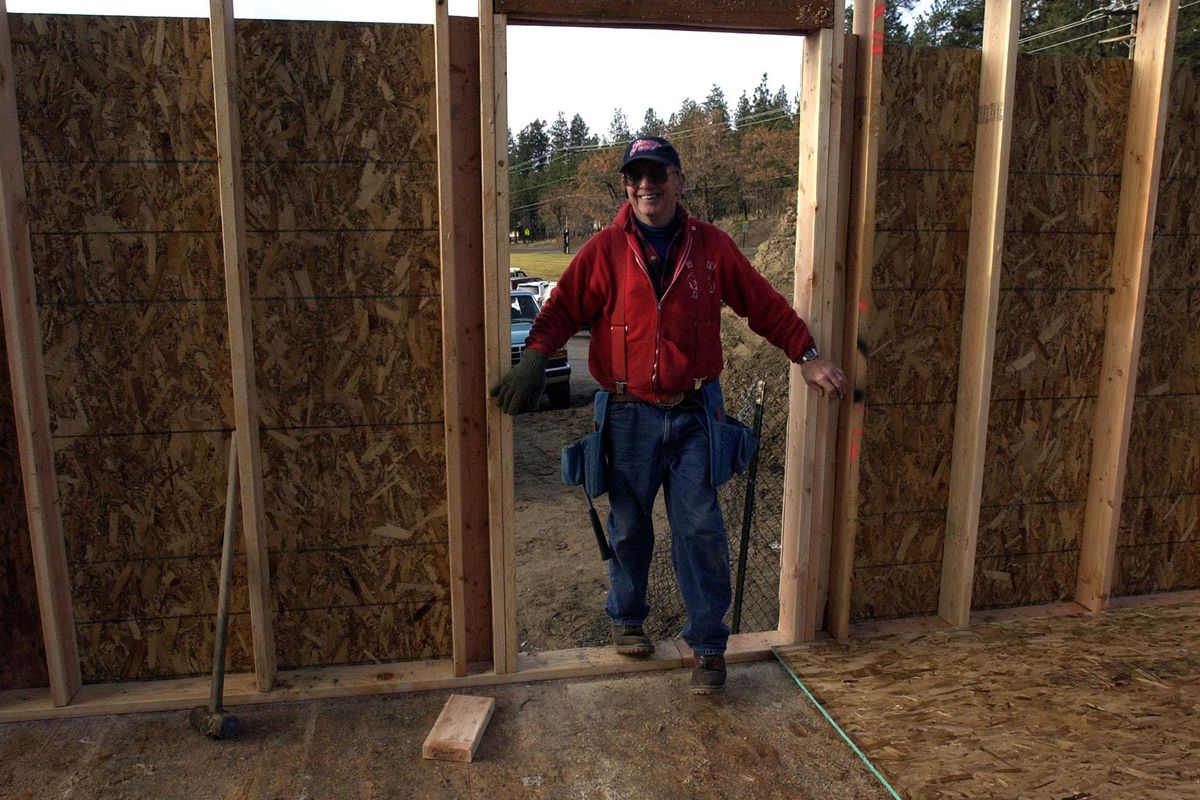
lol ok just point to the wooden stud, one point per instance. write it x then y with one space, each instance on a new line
23 335
461 215
859 301
493 90
831 279
1126 310
459 728
989 192
812 218
757 16
241 335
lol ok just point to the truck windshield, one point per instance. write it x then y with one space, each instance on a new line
524 308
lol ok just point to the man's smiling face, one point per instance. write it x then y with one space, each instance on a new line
653 189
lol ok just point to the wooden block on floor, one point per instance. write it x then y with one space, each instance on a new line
459 728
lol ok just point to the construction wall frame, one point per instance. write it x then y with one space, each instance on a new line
835 242
484 650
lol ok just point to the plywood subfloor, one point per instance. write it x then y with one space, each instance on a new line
1101 706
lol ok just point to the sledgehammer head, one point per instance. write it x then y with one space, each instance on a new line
214 724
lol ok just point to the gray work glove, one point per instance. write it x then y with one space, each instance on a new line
523 384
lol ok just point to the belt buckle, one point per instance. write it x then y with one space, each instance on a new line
672 402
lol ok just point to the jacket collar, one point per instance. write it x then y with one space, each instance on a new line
625 218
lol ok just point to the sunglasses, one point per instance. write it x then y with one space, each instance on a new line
657 174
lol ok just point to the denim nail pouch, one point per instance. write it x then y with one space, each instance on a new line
730 443
583 461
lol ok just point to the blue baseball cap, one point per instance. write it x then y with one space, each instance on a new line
651 148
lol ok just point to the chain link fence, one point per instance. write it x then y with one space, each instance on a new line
760 594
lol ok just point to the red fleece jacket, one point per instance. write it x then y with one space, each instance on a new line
660 348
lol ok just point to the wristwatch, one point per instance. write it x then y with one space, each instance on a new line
808 355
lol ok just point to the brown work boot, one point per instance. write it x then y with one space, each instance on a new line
708 676
631 640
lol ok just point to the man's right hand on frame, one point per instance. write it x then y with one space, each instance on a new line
522 386
824 376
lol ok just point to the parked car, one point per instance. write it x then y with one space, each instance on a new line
540 288
518 279
524 307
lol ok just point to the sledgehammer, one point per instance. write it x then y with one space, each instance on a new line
213 720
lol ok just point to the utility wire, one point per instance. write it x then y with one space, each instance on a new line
1093 33
1122 26
1087 20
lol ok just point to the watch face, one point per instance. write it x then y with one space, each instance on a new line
809 355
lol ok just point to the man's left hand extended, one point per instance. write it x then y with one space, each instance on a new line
824 376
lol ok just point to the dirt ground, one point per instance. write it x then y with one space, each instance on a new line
560 578
637 736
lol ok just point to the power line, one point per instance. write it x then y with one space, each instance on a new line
1087 20
1078 38
1084 21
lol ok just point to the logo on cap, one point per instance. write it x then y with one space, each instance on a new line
642 145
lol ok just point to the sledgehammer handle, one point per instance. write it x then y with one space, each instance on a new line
218 683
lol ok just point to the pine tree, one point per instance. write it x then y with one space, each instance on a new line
743 111
580 135
651 124
533 147
716 106
618 129
560 134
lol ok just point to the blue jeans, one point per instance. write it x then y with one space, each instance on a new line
651 447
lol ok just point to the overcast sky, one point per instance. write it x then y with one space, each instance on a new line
590 71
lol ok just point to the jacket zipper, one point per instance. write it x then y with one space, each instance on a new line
679 262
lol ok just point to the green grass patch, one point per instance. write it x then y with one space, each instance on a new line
547 266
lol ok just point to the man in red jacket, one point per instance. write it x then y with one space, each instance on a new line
652 284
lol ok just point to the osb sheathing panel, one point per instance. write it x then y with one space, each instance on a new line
875 595
1158 542
341 487
159 648
905 470
1048 343
1027 550
345 263
919 260
928 101
1085 706
335 361
22 657
136 367
120 173
340 92
1164 450
339 150
1064 185
913 359
143 545
1170 357
113 89
115 268
1038 455
120 165
1080 261
923 207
